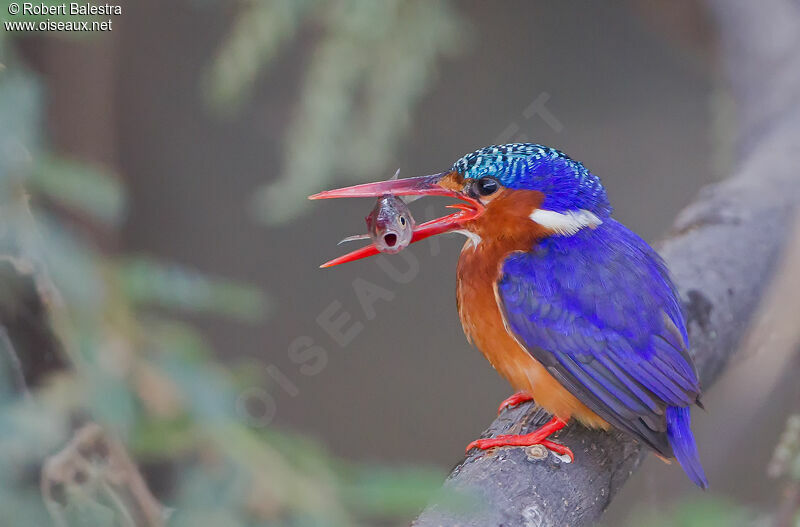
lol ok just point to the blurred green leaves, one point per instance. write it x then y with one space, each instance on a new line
148 282
369 69
376 491
786 458
20 116
80 187
144 376
699 512
257 35
87 512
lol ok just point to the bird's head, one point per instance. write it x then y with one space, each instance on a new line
506 191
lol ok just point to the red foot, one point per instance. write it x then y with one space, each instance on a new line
514 400
537 437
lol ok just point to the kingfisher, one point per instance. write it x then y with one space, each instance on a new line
574 309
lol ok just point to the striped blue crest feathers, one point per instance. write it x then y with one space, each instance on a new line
565 183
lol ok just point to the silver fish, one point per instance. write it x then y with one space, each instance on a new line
390 225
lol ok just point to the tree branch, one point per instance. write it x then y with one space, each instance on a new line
722 254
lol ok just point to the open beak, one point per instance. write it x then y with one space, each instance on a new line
417 186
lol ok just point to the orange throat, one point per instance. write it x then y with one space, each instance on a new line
500 231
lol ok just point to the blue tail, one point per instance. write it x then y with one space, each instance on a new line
679 432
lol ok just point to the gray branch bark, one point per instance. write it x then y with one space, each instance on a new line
722 254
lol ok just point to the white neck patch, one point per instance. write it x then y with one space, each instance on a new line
473 240
567 223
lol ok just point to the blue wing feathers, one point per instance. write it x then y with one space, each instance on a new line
642 393
599 311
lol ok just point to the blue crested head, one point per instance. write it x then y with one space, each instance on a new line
565 183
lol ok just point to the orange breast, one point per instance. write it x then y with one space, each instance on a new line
478 272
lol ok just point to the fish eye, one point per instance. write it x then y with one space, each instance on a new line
403 221
486 186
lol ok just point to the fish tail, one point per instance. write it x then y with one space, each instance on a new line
680 436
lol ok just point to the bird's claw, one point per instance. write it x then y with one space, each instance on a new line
519 440
537 437
558 448
514 400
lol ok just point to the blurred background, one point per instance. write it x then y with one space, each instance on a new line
168 256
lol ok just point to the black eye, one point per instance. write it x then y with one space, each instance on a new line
486 186
403 220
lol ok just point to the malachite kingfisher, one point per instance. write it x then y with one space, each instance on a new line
576 311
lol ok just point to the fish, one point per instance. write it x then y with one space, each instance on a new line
390 225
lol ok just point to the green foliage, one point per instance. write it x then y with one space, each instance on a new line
376 491
786 458
20 111
257 35
383 53
80 187
702 512
148 379
88 513
146 281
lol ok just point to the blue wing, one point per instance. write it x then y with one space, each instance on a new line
599 311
